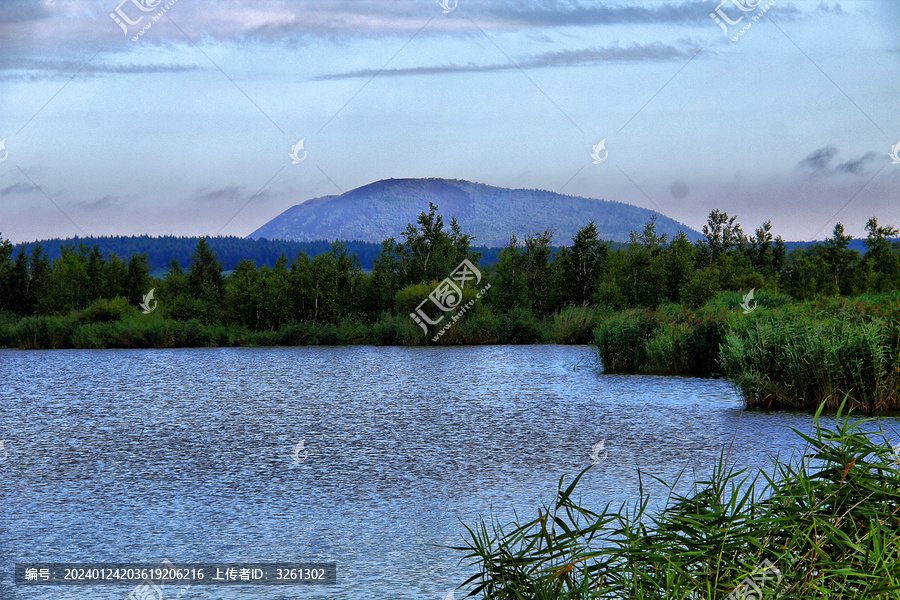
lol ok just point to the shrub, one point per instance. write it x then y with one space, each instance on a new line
396 330
34 333
106 311
621 340
575 325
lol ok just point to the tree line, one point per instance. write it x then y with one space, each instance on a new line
530 277
230 249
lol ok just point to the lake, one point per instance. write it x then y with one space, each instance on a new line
194 455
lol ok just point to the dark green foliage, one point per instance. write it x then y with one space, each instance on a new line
536 293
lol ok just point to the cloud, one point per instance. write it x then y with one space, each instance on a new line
33 69
18 188
562 58
857 166
231 193
46 22
562 12
225 194
834 9
819 162
104 203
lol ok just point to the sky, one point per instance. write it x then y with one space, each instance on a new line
183 117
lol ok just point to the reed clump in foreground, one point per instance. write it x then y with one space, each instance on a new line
821 527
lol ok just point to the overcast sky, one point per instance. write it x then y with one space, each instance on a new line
187 128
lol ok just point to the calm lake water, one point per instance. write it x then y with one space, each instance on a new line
186 455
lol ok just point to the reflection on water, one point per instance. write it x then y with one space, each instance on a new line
192 455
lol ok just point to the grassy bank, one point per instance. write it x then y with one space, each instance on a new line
827 522
113 324
787 355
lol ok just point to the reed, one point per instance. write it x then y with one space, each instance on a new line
575 325
800 363
827 521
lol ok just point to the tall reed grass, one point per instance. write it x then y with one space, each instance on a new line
827 521
671 340
779 355
800 363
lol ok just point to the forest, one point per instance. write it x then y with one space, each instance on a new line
85 298
230 250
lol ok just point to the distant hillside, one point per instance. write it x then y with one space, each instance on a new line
858 244
382 209
231 250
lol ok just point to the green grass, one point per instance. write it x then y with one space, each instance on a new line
115 324
828 521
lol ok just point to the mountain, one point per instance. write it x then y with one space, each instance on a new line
383 209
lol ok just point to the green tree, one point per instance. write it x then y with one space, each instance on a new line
277 308
243 294
580 268
20 283
721 234
380 289
881 265
7 291
679 261
642 268
68 284
302 295
761 250
841 260
95 264
114 277
39 273
539 272
205 282
137 280
335 279
510 286
429 253
809 275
